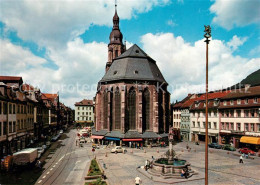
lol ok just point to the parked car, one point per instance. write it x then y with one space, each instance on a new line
214 145
228 147
246 151
61 131
55 138
118 149
40 151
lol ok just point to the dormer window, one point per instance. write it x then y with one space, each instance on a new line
204 104
215 103
231 102
239 101
255 100
246 101
196 104
225 103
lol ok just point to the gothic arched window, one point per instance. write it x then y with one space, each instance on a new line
105 100
146 109
111 110
117 109
131 109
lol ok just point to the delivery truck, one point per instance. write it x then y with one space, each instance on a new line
25 156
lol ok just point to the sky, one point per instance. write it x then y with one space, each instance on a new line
61 45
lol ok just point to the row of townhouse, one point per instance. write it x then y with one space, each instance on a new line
26 114
233 117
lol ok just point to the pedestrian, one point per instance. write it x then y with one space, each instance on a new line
146 165
76 142
130 144
137 180
38 164
152 158
241 159
182 173
186 173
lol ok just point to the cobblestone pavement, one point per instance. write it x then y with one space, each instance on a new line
224 167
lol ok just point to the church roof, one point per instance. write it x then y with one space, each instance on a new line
133 64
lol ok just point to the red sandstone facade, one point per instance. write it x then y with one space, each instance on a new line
132 95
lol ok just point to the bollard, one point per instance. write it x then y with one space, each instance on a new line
131 151
144 151
106 154
157 150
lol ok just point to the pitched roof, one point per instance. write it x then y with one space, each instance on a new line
242 93
50 96
84 102
148 134
10 78
133 64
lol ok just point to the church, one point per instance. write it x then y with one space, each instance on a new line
132 103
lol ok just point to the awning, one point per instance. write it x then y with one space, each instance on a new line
112 138
97 137
132 139
250 140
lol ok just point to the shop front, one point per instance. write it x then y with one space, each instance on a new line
113 141
97 139
250 142
133 142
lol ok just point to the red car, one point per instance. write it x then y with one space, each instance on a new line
246 151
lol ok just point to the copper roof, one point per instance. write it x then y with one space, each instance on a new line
84 102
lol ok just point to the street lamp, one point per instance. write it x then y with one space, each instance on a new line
207 35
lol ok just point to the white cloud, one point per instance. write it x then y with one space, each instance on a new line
183 64
53 23
14 58
230 13
236 41
80 67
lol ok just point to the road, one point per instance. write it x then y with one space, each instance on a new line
67 165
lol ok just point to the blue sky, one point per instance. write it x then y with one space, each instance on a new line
54 43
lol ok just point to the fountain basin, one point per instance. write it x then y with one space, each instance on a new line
161 167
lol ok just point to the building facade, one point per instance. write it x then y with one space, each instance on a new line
84 111
23 115
239 117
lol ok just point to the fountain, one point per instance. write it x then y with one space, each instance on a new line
169 166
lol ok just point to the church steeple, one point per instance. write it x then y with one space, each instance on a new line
115 46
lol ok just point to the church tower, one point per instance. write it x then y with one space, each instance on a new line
115 46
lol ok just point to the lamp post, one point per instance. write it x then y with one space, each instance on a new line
207 35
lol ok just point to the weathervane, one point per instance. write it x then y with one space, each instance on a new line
207 31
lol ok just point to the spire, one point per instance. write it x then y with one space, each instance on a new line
115 18
115 46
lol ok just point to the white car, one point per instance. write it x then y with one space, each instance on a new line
118 149
61 131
